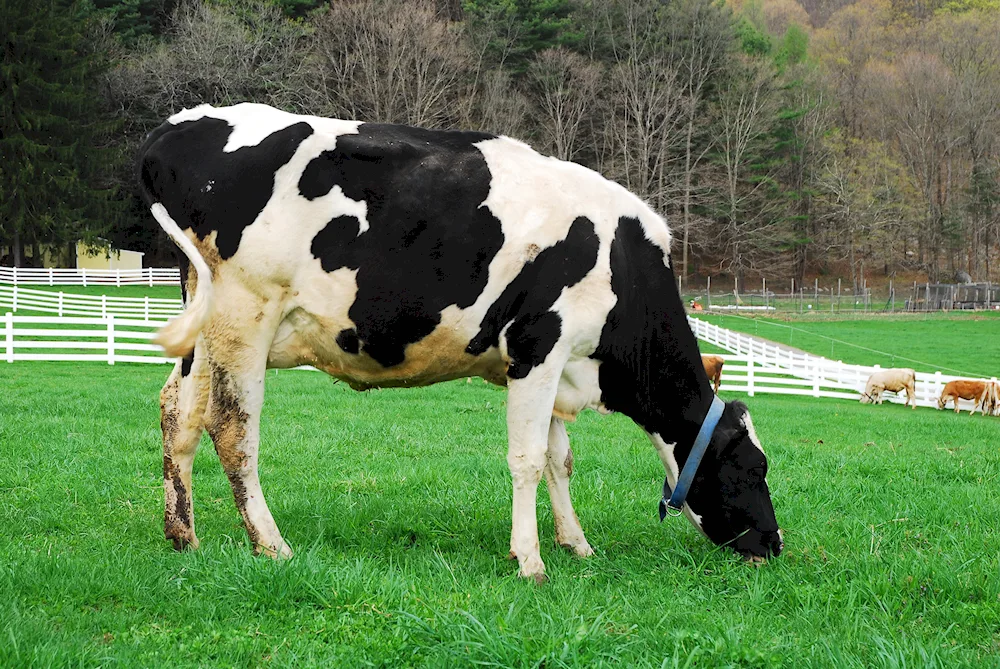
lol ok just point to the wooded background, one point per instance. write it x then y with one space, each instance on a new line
781 139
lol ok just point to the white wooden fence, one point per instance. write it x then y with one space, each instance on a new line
75 339
60 303
758 366
54 276
752 366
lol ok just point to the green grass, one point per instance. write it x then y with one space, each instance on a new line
164 292
398 505
959 344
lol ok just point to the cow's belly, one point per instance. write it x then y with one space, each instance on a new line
306 338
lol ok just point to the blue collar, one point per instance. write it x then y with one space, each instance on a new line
680 492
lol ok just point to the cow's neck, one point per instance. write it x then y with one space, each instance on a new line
651 368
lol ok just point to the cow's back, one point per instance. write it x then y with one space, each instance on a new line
400 255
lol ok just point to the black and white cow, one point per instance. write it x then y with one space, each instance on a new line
396 256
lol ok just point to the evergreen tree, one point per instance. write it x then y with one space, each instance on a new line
51 128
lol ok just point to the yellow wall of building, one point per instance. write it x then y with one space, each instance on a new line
95 257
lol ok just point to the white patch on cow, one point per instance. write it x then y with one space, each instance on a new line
748 424
578 389
252 123
666 453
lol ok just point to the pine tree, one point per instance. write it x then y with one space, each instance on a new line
51 128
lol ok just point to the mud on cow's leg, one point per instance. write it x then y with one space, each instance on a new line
182 407
558 469
233 421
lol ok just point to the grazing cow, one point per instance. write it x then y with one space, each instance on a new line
894 380
982 394
394 256
713 367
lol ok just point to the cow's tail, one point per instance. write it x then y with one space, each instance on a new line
179 335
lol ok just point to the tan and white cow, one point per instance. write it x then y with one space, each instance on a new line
894 380
395 256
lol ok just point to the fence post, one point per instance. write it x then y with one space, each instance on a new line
145 308
150 271
816 373
9 330
111 339
708 293
750 390
83 271
15 275
14 304
118 278
104 306
50 276
60 303
937 384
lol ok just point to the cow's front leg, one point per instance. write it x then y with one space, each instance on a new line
182 408
558 469
233 421
529 410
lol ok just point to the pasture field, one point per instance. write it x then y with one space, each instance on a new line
398 505
967 343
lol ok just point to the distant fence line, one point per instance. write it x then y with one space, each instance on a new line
56 276
752 366
835 298
935 296
759 366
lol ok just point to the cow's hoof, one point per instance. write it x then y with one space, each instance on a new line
282 552
539 578
183 540
579 548
533 569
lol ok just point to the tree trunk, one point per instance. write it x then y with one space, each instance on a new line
16 249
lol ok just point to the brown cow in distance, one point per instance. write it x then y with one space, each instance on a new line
980 392
713 367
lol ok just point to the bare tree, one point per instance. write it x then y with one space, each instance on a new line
565 85
751 231
645 102
219 54
385 61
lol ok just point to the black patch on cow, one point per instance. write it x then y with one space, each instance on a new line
525 302
538 285
184 167
186 363
530 339
650 356
348 340
429 242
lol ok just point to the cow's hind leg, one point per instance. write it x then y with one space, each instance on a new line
182 408
558 469
237 367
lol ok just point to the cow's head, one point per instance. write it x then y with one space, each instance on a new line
729 497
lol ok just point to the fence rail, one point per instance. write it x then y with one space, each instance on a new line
55 276
75 339
60 303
